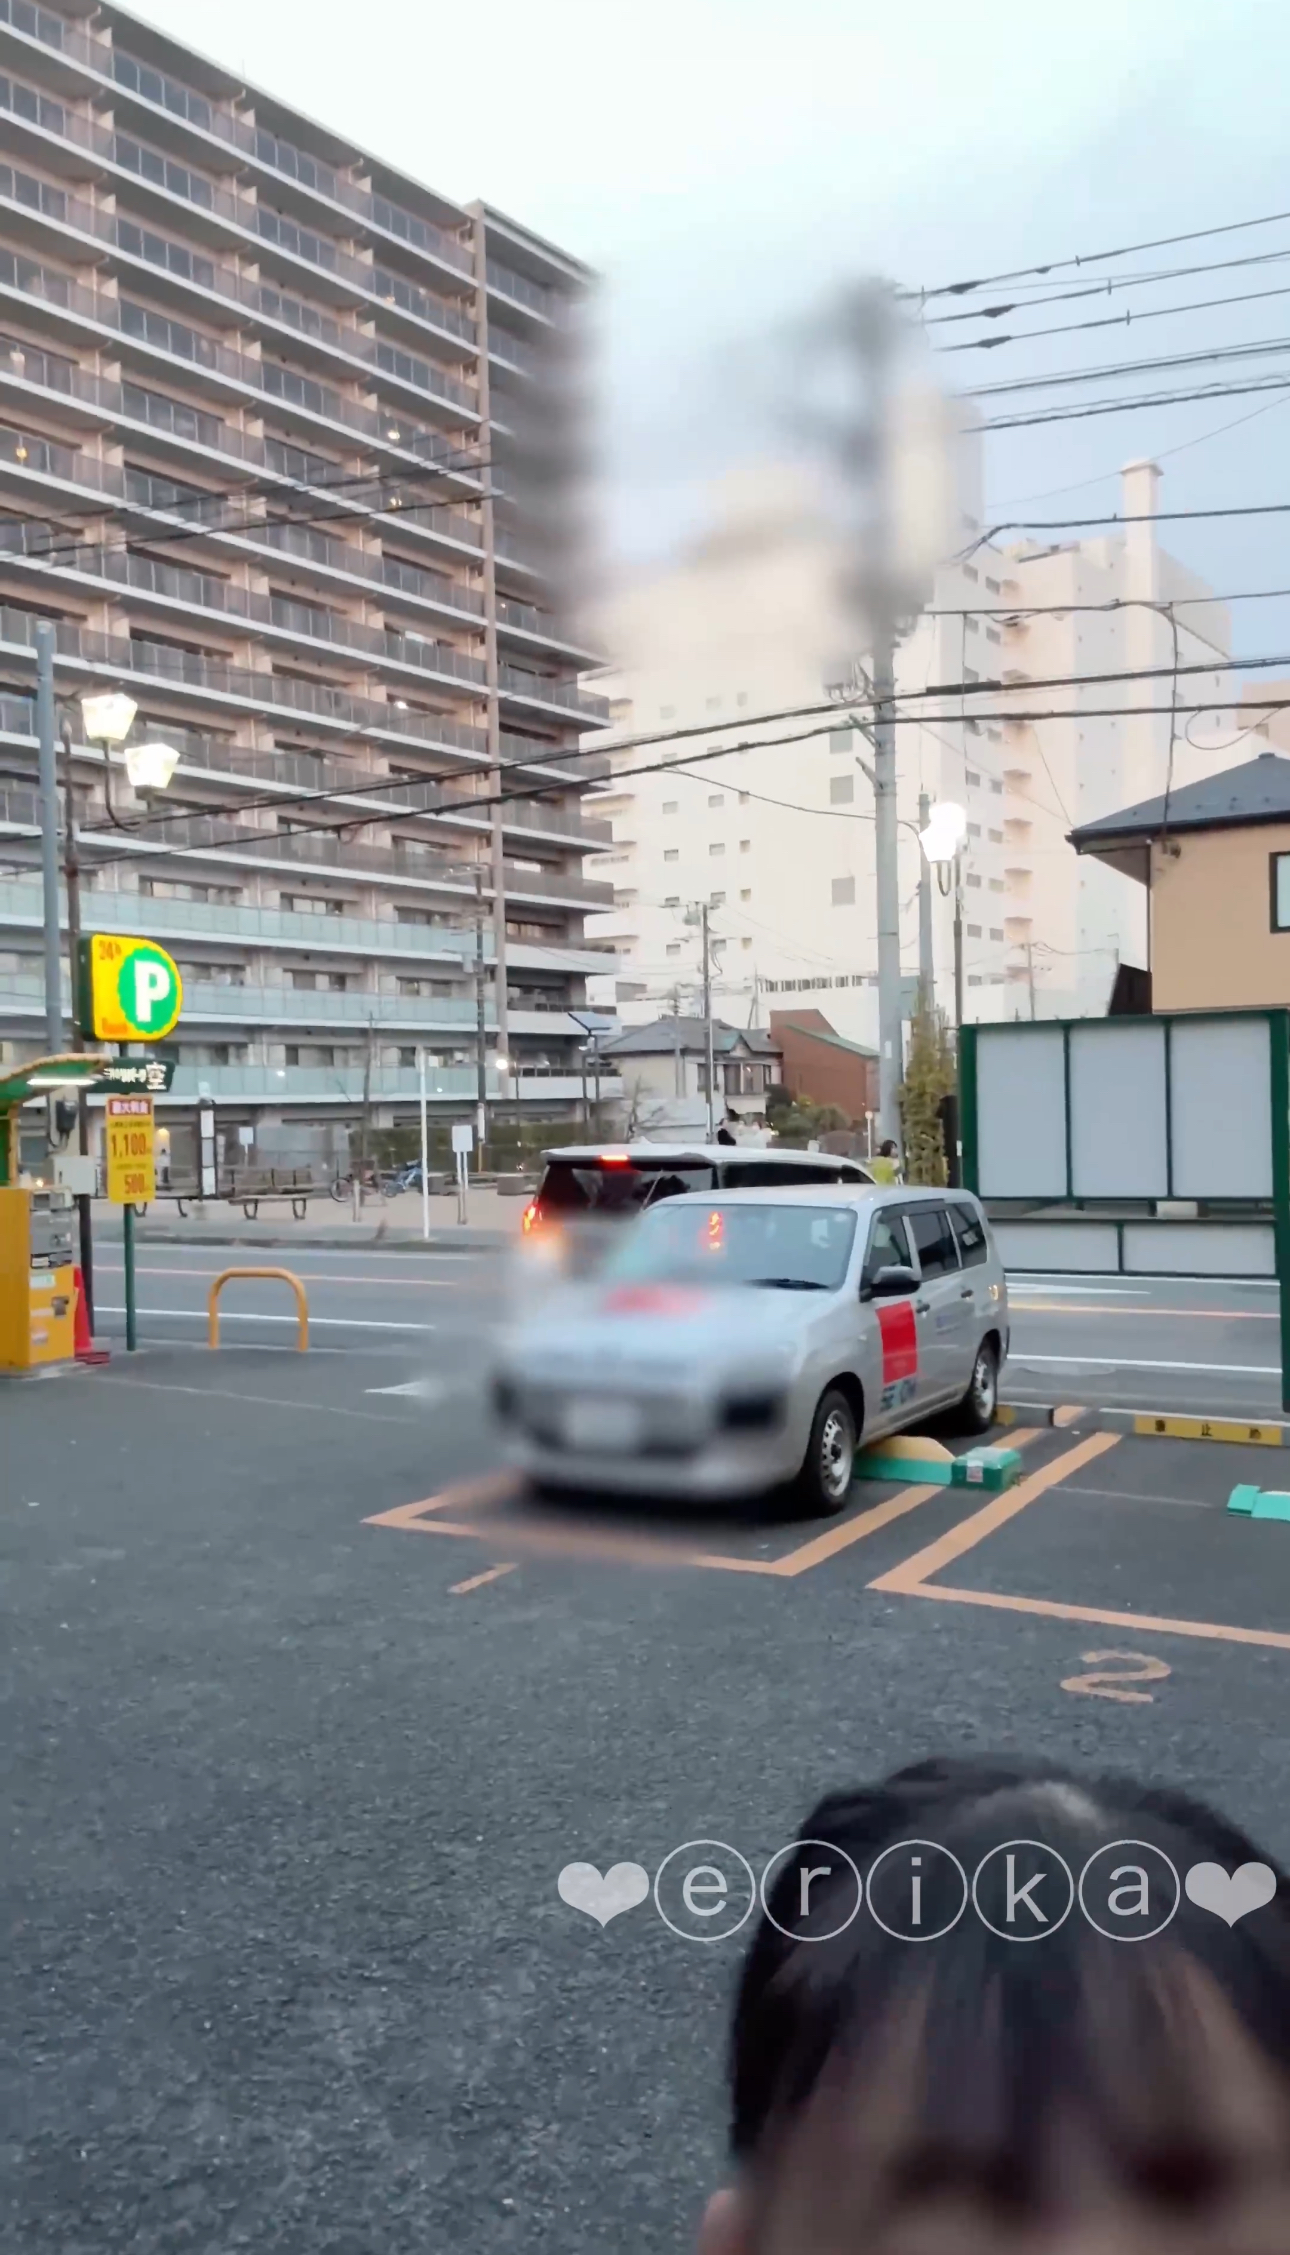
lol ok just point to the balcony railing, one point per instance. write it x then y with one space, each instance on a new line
524 292
545 691
344 1084
116 656
202 591
191 187
420 946
55 31
387 571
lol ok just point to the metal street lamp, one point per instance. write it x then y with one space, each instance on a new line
942 844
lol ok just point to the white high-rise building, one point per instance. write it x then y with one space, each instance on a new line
740 639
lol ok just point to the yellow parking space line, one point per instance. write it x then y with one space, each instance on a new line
912 1573
836 1539
489 1488
477 1581
1158 1624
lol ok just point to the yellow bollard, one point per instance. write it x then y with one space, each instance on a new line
284 1275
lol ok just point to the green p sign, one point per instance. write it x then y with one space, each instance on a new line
131 986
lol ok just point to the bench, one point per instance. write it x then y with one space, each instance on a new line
253 1187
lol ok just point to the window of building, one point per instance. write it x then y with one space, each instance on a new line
745 845
670 806
742 697
844 892
746 894
971 626
407 1056
996 884
674 947
974 931
840 740
974 982
974 829
996 837
970 572
743 798
667 712
673 901
973 880
745 943
992 634
969 675
1280 870
995 935
842 790
716 900
713 703
992 584
997 788
716 798
716 850
970 779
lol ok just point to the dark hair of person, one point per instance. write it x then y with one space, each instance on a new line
885 2070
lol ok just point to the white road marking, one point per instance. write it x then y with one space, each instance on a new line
234 1315
266 1401
416 1389
1122 1362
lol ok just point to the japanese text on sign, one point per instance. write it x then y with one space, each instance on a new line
131 1150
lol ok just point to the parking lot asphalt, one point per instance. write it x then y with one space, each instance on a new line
291 1778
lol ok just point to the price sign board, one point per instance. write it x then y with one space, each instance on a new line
130 988
131 1150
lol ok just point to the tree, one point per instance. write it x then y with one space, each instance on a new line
930 1075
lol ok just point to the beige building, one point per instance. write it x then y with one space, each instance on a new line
778 839
1213 864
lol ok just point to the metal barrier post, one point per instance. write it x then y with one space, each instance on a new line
282 1275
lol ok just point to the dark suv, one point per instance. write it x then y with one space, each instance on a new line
585 1185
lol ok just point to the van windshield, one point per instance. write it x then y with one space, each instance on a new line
792 1248
617 1186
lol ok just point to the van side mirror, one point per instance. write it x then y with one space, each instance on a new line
891 1283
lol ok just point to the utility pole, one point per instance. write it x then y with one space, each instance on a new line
481 1031
72 872
926 959
1030 973
359 1179
707 1019
48 754
958 940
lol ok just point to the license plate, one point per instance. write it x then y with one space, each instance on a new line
594 1422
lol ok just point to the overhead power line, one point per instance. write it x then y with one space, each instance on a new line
1093 258
1125 320
1115 369
1106 285
1126 406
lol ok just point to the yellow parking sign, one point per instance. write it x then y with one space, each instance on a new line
131 1150
130 988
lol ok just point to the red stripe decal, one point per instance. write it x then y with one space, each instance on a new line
899 1340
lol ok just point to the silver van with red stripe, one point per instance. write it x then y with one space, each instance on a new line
737 1341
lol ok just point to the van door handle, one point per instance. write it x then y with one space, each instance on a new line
923 1307
966 1293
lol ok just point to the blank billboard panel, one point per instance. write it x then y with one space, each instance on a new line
1021 1112
1119 1115
1220 1086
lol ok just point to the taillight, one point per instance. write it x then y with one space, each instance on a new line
531 1216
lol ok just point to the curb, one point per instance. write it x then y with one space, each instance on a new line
1268 1432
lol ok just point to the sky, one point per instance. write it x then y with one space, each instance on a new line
728 165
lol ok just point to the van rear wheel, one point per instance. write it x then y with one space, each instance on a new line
824 1482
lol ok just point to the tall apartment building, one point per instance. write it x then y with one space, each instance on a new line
778 840
258 403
